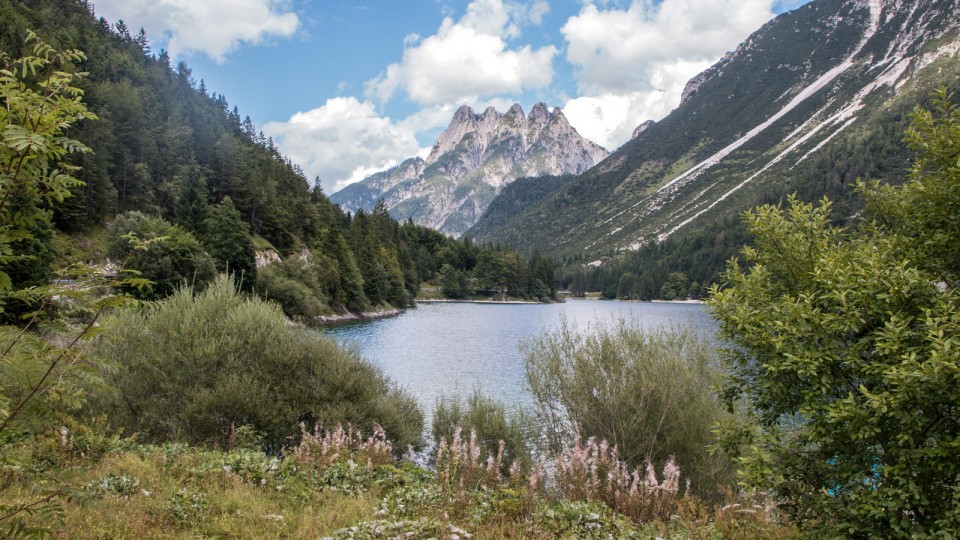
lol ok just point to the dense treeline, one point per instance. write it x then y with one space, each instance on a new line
676 268
172 159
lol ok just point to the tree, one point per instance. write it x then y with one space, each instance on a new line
176 260
674 287
846 351
41 103
627 287
453 282
227 239
40 376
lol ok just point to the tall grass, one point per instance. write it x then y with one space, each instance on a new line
495 429
650 393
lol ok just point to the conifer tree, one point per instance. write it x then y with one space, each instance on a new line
227 239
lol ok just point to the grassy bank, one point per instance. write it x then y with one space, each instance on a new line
117 488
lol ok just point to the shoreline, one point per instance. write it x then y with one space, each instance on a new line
351 316
451 301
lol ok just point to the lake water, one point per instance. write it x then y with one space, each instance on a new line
448 349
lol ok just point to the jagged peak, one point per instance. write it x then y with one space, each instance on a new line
559 120
463 113
514 110
641 128
464 121
538 111
490 111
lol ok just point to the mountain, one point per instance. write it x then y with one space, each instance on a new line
813 99
472 160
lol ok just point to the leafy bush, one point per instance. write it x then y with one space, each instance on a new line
489 420
648 392
581 520
177 260
300 284
846 351
187 506
190 367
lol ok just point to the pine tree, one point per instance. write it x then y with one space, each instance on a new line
227 239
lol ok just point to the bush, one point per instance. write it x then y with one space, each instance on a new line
846 351
648 392
489 419
300 284
177 260
188 368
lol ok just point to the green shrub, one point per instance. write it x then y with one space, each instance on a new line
190 367
489 419
176 260
187 506
845 351
648 392
299 285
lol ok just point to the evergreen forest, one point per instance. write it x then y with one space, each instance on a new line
170 158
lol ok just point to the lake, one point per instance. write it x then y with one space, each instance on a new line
448 349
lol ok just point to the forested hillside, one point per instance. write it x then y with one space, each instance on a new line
172 158
814 99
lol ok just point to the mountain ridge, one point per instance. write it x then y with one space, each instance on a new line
795 87
474 157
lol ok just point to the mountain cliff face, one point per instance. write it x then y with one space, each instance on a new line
472 160
807 89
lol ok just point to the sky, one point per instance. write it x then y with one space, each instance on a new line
346 89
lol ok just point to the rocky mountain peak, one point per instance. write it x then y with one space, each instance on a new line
463 114
538 114
474 157
641 128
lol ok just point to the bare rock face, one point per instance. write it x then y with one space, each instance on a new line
643 127
471 161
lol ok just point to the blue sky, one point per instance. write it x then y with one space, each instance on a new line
349 88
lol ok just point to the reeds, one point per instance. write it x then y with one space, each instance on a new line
321 448
593 471
459 464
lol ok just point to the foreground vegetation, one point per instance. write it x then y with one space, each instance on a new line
122 489
206 413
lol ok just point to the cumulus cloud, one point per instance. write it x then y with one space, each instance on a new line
609 118
212 27
469 57
343 141
346 140
632 63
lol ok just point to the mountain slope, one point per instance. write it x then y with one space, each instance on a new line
798 88
471 161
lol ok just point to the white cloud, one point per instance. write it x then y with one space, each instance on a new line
470 57
609 118
632 63
343 141
213 27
